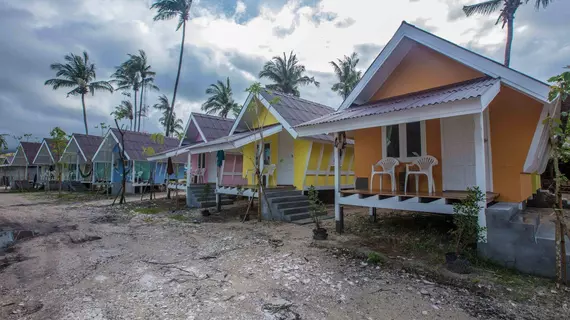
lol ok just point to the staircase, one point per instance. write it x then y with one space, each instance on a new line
289 204
523 239
195 197
75 186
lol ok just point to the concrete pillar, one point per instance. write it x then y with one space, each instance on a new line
189 170
338 211
112 162
373 215
480 170
77 178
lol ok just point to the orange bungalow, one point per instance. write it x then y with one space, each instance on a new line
428 110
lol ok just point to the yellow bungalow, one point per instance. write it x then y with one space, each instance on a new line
288 160
426 104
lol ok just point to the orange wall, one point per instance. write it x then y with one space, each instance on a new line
368 151
513 118
422 69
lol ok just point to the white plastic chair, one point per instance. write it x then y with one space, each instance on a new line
268 172
200 174
138 176
388 167
424 166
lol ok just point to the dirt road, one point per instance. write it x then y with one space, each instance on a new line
94 262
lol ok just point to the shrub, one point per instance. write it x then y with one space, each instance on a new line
467 230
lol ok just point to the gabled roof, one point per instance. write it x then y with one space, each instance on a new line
135 141
88 144
289 110
30 150
402 41
475 88
212 127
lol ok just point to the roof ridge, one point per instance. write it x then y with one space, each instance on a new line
211 116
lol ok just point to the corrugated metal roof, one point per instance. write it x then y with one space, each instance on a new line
30 150
458 91
88 144
135 141
213 127
293 109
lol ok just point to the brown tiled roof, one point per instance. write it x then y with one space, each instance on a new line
293 109
30 150
458 91
88 144
213 127
135 141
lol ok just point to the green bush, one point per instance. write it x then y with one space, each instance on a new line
375 258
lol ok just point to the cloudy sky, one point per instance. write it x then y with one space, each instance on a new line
228 38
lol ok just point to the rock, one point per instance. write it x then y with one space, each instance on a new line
425 313
279 309
435 307
424 292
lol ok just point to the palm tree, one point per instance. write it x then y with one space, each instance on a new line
140 64
220 100
175 125
124 111
169 9
126 78
3 142
507 9
78 73
347 74
287 74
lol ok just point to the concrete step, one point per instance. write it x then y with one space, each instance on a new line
295 210
298 216
275 194
293 204
310 220
283 199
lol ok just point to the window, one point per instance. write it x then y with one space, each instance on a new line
404 141
202 160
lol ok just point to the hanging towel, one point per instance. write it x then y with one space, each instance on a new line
170 167
220 157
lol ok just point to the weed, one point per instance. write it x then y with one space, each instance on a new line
147 210
148 220
376 258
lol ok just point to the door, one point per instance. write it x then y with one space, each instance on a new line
285 163
211 167
458 154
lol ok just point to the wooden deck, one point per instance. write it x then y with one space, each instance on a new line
448 195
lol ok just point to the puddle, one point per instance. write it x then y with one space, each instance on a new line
7 238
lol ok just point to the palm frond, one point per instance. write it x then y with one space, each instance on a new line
484 8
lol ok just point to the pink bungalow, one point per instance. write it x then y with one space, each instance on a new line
202 128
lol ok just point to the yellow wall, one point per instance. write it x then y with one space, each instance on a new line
422 69
322 179
249 158
264 117
513 118
300 153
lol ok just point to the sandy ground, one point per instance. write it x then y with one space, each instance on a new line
91 261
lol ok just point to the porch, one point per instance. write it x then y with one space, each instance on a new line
435 202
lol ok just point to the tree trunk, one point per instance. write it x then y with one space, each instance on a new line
135 111
141 105
510 26
177 79
84 113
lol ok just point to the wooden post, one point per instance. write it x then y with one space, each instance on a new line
133 173
338 211
480 170
373 215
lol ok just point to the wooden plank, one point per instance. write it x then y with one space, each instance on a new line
451 195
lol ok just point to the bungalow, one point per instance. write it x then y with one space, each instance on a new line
46 159
431 110
5 161
78 157
137 146
18 169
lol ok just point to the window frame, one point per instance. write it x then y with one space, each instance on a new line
403 141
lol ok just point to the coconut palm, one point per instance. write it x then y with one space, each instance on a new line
287 74
220 100
347 74
124 111
127 78
166 10
3 142
507 9
139 63
78 73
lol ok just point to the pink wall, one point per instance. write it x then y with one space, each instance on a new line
232 180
